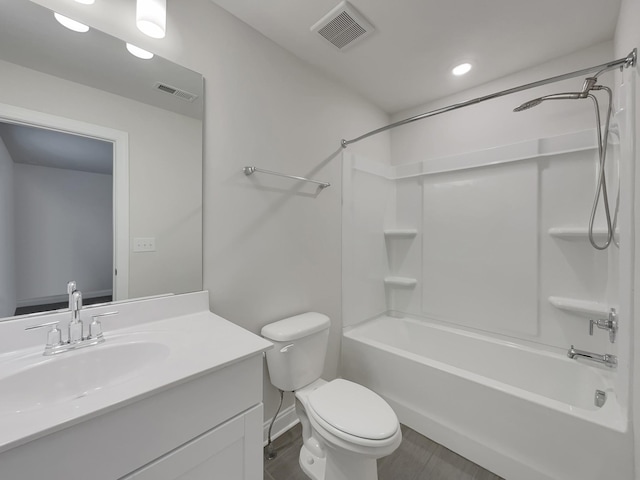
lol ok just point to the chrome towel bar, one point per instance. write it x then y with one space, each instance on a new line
249 170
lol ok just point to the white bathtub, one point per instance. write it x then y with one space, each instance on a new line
523 413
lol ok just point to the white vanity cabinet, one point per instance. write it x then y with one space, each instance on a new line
207 428
226 453
196 414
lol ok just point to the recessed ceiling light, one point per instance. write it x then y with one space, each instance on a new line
71 24
461 69
86 2
139 52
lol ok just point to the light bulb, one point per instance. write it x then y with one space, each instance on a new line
139 52
151 17
71 24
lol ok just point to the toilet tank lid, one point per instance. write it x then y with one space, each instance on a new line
296 327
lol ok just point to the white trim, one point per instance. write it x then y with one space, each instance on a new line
120 140
516 152
285 421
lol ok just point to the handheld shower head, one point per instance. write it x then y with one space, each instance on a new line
588 85
556 96
527 105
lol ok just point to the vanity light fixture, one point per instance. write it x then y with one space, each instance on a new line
151 17
71 24
461 69
86 2
139 52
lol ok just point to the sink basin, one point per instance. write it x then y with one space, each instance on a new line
39 382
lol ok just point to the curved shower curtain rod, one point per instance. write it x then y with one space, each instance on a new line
629 61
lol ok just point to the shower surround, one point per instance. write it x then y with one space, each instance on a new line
465 281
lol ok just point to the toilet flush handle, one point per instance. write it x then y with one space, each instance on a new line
286 348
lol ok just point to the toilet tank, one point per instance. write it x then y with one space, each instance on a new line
300 347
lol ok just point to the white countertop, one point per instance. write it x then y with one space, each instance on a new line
183 347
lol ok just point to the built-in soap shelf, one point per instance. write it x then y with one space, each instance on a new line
581 307
400 232
578 233
401 282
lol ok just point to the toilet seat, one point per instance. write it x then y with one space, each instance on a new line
353 413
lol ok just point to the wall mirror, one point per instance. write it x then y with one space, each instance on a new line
100 167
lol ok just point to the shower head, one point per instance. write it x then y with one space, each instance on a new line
588 85
556 96
527 105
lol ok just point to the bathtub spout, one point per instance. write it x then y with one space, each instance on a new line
607 359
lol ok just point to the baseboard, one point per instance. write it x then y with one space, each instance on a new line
286 420
31 302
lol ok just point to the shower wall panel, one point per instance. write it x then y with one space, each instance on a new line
368 204
480 247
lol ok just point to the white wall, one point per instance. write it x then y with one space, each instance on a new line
272 247
627 38
64 231
493 123
165 170
7 259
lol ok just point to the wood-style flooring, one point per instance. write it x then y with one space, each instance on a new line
417 458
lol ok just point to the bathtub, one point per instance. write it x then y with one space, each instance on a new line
520 412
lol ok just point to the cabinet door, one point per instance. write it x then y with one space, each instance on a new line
232 451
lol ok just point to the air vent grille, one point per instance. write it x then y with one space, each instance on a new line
343 26
176 92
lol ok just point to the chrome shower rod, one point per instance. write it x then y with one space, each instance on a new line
249 170
629 61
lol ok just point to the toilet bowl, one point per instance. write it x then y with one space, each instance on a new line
345 426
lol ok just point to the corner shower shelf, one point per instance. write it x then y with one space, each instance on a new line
581 307
403 282
400 232
577 233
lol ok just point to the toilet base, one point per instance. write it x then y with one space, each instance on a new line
312 465
337 466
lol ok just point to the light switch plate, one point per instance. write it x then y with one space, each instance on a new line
144 244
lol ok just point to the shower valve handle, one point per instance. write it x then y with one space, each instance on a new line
610 324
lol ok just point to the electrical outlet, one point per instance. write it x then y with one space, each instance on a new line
144 244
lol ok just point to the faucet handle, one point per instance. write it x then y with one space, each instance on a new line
76 301
54 336
95 328
610 323
71 287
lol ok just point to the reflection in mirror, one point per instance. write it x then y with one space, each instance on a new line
83 207
59 187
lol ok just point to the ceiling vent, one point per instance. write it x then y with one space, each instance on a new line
343 26
176 92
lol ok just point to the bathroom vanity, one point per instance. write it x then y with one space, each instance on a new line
174 392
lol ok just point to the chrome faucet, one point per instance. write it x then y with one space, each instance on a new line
76 338
75 325
610 323
71 287
607 359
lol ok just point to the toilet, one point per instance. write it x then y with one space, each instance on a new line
345 426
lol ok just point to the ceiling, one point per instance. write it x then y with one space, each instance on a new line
408 59
48 148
